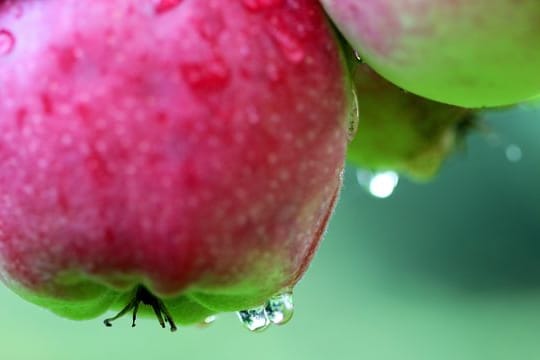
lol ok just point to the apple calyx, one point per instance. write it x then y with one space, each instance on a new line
147 298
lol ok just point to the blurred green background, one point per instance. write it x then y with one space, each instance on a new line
446 270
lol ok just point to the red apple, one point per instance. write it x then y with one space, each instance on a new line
183 154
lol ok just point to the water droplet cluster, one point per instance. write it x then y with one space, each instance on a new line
278 310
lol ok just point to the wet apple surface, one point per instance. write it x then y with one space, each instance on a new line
180 153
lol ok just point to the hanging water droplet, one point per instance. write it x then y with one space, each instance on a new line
254 319
358 56
379 184
207 321
210 319
354 117
513 153
7 42
280 308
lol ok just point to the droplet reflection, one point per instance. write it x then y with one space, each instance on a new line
254 319
380 184
207 322
513 153
280 308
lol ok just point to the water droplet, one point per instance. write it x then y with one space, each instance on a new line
7 42
211 25
358 56
513 153
254 319
208 321
379 184
354 117
256 5
162 6
280 308
289 45
274 73
206 76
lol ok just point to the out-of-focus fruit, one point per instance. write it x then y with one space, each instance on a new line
462 52
400 131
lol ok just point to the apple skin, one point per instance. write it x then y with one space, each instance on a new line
400 131
192 147
467 53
